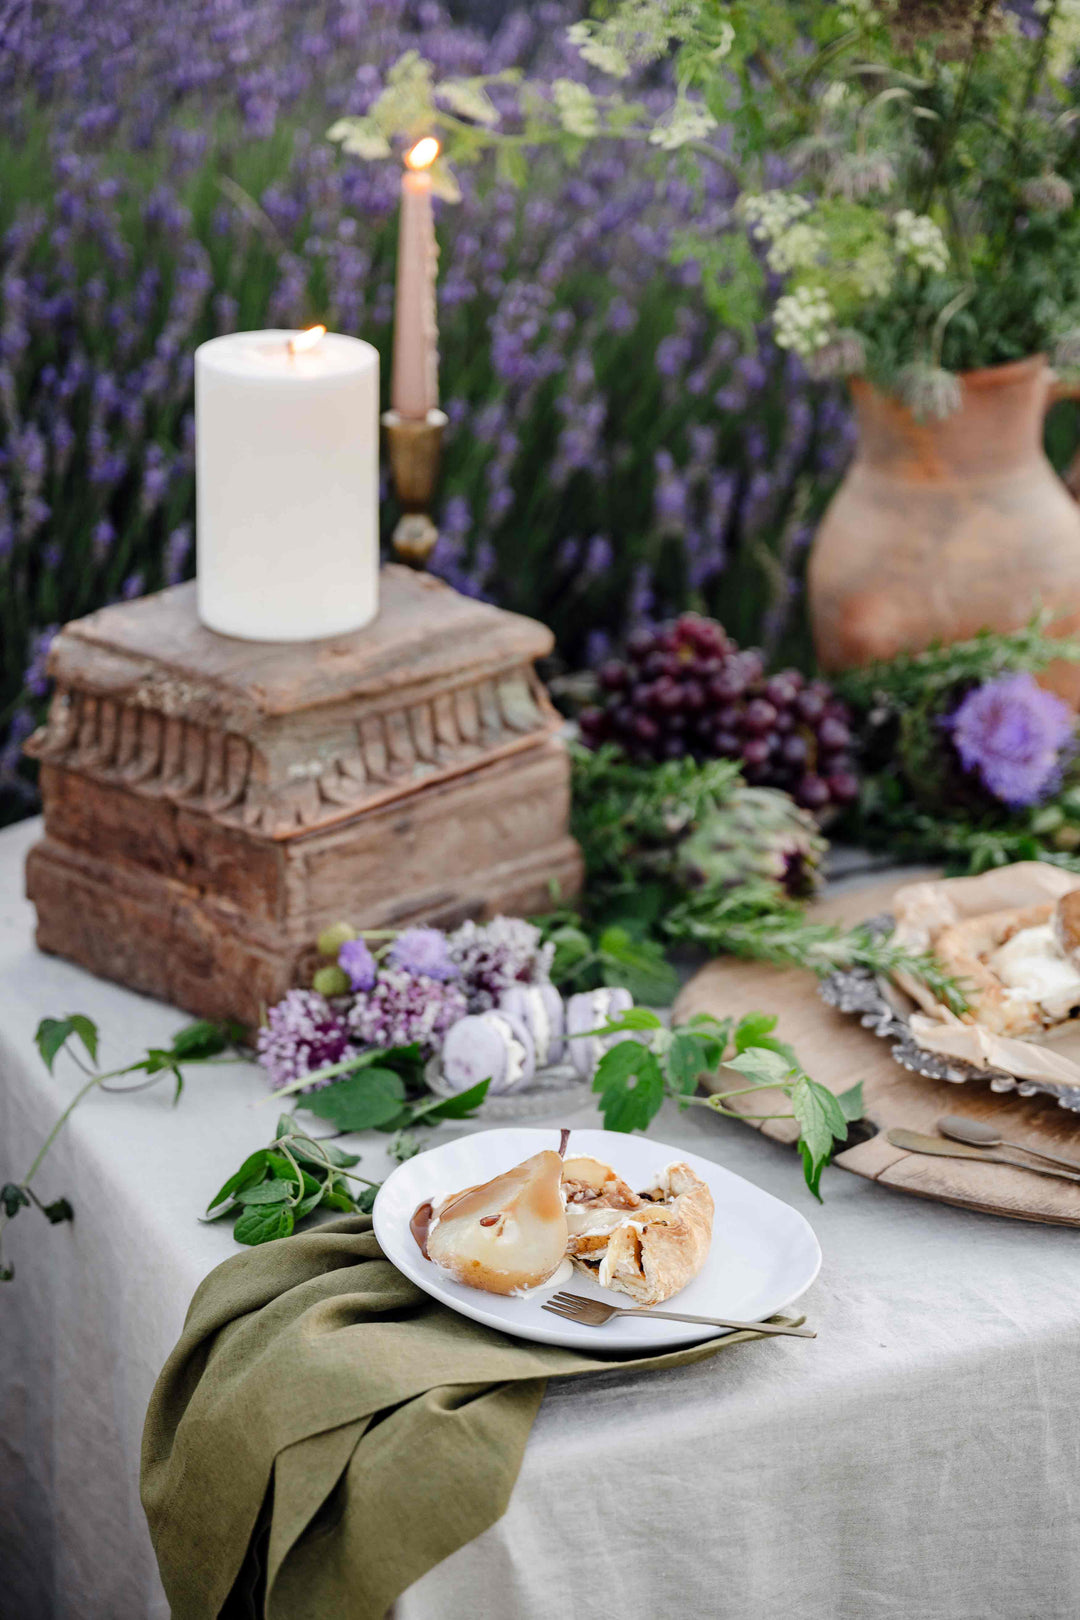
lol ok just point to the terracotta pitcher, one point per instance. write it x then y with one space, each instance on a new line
941 529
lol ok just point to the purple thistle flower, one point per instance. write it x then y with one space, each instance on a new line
302 1033
401 1008
356 960
1011 733
422 951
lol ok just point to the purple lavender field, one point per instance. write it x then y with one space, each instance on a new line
612 456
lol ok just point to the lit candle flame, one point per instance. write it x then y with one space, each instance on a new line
301 342
423 154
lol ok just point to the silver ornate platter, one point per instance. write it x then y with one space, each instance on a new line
882 1009
549 1091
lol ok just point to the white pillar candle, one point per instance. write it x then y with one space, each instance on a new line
287 484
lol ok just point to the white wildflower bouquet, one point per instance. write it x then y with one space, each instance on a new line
906 169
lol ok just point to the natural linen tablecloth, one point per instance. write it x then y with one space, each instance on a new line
323 1407
922 1462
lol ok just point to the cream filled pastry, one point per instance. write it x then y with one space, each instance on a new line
1020 969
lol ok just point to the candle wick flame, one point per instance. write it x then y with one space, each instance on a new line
423 154
301 342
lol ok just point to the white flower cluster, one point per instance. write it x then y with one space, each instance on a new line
576 108
797 248
687 121
921 241
872 271
598 53
803 320
770 213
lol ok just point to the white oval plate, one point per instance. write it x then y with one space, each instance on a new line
763 1254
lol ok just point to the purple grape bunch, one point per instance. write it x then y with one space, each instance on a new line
686 689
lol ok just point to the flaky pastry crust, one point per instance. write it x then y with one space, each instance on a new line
647 1245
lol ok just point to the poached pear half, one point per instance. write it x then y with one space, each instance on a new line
509 1233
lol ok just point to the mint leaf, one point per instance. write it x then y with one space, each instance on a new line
338 1198
631 1086
252 1170
319 1151
266 1192
306 1205
264 1224
53 1033
59 1210
572 949
360 1101
365 1199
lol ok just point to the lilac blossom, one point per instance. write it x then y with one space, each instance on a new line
402 1008
302 1033
1012 733
491 957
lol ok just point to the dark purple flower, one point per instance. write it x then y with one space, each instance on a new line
302 1033
422 951
356 960
490 957
1011 733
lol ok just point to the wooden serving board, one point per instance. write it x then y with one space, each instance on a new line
835 1049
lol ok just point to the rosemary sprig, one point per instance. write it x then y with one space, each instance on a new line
912 677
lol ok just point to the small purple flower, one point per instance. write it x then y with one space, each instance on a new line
491 957
423 951
356 960
401 1008
302 1033
1011 733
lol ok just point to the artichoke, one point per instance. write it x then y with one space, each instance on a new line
755 833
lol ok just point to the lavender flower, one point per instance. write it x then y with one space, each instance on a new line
1011 733
422 952
490 957
402 1008
357 962
302 1033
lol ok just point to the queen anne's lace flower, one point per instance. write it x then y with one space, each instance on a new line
687 121
302 1033
576 107
797 248
770 213
921 241
873 271
803 320
1011 733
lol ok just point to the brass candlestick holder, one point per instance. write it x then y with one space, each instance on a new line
414 448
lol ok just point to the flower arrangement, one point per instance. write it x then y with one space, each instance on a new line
908 168
968 758
406 992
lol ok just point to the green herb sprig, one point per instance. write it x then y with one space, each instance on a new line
369 1091
634 1077
200 1042
280 1185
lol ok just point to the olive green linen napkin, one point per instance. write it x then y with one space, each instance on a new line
324 1418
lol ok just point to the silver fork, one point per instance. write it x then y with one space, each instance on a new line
595 1312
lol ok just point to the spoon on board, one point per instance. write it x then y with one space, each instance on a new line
978 1134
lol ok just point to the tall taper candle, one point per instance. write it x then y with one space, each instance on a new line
287 484
414 381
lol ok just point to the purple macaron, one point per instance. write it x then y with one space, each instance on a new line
493 1046
591 1009
540 1008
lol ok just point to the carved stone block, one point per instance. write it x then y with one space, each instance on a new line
211 804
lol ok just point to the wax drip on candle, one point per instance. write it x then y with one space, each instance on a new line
301 342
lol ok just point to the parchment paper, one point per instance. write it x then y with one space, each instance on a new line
922 909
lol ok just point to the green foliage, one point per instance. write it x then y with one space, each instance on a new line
281 1185
635 1076
630 820
200 1042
